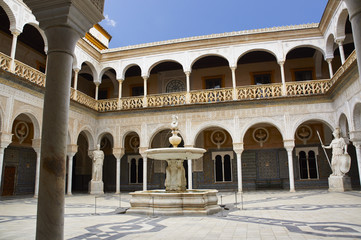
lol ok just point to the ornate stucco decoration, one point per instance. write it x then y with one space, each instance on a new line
218 137
21 131
260 135
304 133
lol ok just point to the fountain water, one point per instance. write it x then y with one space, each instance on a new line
175 199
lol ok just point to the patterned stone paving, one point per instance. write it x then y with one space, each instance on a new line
255 215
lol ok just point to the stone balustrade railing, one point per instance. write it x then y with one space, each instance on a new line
253 92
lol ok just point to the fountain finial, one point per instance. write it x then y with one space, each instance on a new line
175 140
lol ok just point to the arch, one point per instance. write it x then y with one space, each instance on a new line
208 55
357 116
268 50
207 125
104 70
160 62
310 45
126 133
158 130
317 117
92 69
125 69
330 46
34 120
269 121
344 125
86 130
340 25
42 34
103 134
9 12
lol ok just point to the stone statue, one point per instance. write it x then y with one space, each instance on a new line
98 158
341 160
174 124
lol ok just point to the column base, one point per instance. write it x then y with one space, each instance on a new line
339 183
96 187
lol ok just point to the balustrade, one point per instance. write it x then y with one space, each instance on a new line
267 91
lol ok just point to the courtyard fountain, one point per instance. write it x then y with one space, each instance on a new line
175 199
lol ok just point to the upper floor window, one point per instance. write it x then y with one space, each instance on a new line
303 74
262 78
213 82
137 90
175 85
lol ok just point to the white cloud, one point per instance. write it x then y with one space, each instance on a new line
109 21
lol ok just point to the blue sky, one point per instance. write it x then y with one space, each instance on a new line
133 22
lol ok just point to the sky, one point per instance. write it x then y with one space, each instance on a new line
132 22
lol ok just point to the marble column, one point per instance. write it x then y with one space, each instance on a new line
238 150
15 34
37 173
358 155
342 52
76 74
233 69
289 145
5 141
118 154
120 87
329 61
188 94
354 9
145 101
282 68
70 173
145 173
96 90
190 174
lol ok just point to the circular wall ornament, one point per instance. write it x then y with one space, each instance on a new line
21 131
304 133
134 143
218 137
260 135
175 85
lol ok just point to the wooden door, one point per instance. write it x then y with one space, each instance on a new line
9 181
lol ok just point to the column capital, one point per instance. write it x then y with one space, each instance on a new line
145 77
187 73
15 32
118 152
289 144
238 148
97 83
72 149
36 144
5 139
339 41
281 62
76 70
120 80
233 68
142 151
329 60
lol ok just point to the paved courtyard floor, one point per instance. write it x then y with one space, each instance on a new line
316 214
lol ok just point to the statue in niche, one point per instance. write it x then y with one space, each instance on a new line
341 160
98 158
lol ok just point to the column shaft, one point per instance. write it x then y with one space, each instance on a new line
37 174
239 172
96 90
358 155
290 170
145 164
190 175
329 61
2 149
13 51
70 173
117 187
233 69
342 52
284 89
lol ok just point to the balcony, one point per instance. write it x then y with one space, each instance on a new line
244 93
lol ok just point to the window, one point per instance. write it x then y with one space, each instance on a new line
308 163
135 169
102 94
262 78
213 82
222 166
175 86
137 91
302 74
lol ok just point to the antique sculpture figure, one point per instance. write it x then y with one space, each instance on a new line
98 158
341 160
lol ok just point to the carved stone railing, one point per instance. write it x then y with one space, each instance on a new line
5 62
209 96
169 99
29 73
252 92
83 99
131 103
259 91
108 105
305 88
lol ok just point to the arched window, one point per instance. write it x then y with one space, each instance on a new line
222 166
135 169
307 161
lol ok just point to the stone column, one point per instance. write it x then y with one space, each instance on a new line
289 145
145 101
5 141
340 47
284 89
354 9
238 150
76 73
118 154
63 22
233 69
15 34
70 173
329 61
120 83
188 94
36 144
355 137
145 173
96 90
190 174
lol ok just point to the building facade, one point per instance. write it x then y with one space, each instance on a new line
258 101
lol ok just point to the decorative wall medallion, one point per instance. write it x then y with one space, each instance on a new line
21 131
104 143
304 133
218 137
260 135
175 85
134 143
